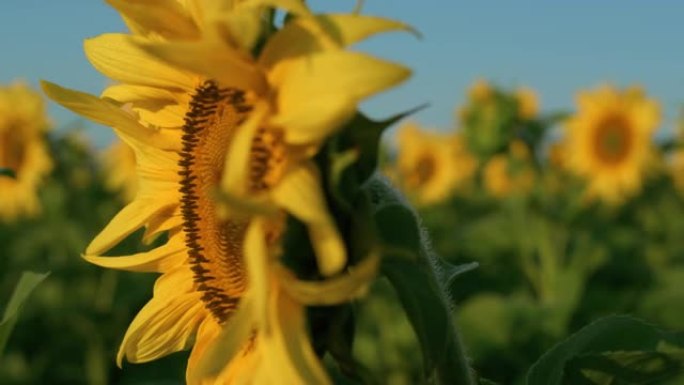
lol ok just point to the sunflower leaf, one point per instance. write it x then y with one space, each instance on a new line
601 354
418 277
27 283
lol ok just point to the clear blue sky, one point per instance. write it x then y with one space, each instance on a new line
554 47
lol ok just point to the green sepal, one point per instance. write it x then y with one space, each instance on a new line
353 154
364 135
612 350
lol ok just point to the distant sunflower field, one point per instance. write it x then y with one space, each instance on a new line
250 225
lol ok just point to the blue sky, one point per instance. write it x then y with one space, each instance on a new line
556 48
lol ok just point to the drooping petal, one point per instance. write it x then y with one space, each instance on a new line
287 350
304 35
119 57
213 59
235 171
332 291
108 113
160 259
164 17
340 78
128 220
256 259
301 194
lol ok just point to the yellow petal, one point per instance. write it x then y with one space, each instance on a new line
300 193
212 59
287 349
164 17
311 124
167 116
240 27
256 258
160 259
228 343
303 35
128 220
171 220
155 106
235 172
108 113
128 93
163 326
340 78
119 57
332 291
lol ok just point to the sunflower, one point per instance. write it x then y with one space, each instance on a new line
609 141
23 150
528 103
676 169
431 165
120 170
509 174
203 115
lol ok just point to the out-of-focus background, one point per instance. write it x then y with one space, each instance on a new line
565 229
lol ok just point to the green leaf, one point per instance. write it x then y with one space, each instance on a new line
418 277
613 350
8 172
430 315
27 283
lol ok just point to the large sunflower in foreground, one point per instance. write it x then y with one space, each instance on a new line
23 151
609 141
204 114
432 165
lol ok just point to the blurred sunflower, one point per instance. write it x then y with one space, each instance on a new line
609 141
202 114
120 172
431 165
528 103
677 169
479 93
509 174
23 150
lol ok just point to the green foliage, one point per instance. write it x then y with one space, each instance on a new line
417 277
613 350
27 283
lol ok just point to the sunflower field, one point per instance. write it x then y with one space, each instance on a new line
254 222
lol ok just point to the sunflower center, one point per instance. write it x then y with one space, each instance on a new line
424 170
267 161
214 245
613 140
12 151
